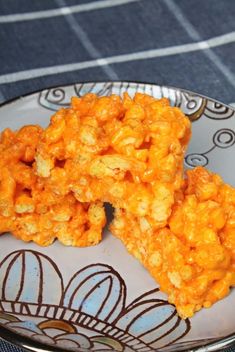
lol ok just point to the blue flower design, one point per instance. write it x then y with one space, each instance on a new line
94 300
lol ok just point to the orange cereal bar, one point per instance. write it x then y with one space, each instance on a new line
29 210
193 258
128 152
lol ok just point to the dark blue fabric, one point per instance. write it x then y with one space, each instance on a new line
8 347
146 25
22 6
117 30
130 28
227 55
48 42
210 17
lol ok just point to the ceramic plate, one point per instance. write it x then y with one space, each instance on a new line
100 298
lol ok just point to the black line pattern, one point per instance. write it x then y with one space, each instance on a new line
101 295
222 138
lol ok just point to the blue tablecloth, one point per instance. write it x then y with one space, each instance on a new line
182 43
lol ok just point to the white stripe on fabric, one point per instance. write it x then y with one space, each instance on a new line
86 42
140 55
95 5
194 34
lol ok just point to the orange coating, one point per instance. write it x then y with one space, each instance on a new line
193 258
128 152
30 211
125 151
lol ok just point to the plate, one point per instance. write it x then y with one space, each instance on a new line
85 299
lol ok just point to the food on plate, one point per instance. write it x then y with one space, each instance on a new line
128 152
193 258
29 210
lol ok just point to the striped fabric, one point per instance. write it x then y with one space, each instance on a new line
183 43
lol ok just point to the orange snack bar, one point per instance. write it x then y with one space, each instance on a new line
193 258
31 212
128 152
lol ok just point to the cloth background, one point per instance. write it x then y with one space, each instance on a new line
182 43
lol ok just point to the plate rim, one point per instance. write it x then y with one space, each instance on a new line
32 345
14 99
29 344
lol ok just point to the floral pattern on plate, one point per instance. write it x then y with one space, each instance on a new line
94 299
